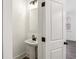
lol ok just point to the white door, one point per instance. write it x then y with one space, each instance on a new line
52 27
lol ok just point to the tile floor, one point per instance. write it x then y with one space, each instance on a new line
71 50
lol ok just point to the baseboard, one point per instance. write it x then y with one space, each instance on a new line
20 56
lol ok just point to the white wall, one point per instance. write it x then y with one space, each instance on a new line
20 27
71 15
7 30
33 20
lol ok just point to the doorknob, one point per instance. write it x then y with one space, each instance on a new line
65 43
43 39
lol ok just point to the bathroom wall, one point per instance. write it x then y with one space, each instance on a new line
33 20
71 19
20 27
24 25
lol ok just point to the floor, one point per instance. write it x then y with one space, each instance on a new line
25 58
71 50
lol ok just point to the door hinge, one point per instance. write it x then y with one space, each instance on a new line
43 4
43 39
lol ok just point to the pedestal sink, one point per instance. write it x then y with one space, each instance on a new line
31 42
32 48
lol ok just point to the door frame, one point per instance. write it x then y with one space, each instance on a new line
7 47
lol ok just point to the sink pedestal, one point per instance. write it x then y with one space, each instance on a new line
33 52
32 48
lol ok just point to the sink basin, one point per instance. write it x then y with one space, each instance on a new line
31 42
